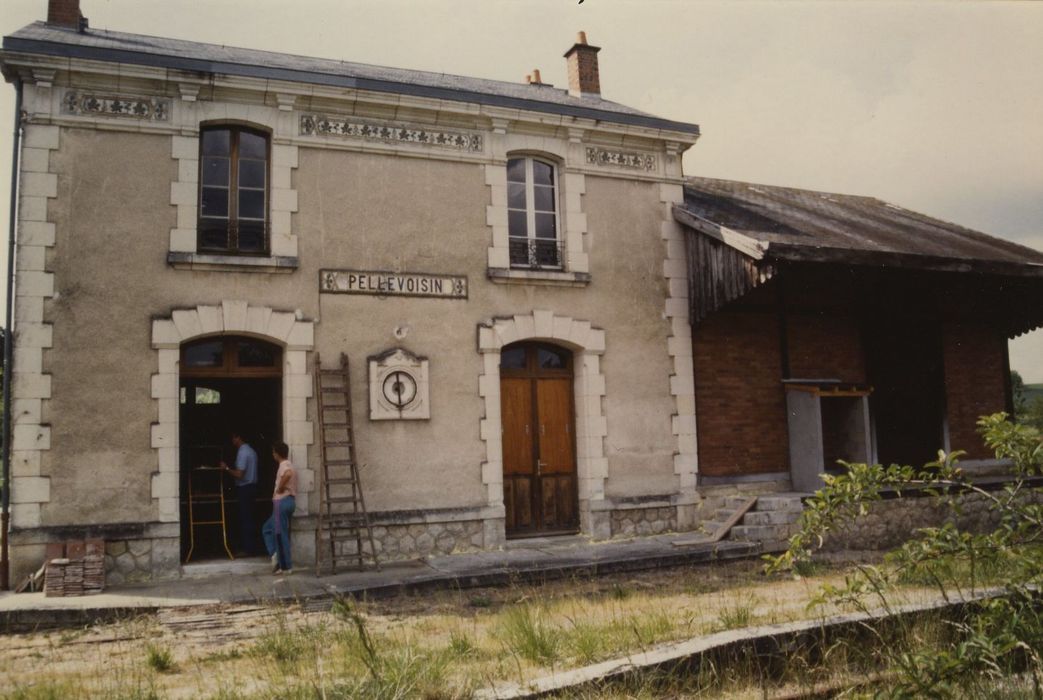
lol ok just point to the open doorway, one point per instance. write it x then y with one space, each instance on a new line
228 384
904 358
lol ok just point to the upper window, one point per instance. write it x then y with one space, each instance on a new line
532 214
233 190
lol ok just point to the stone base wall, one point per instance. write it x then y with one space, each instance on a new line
138 561
638 522
891 522
409 541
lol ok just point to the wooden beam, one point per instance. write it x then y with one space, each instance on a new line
750 247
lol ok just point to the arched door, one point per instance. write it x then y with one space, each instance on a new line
539 440
227 383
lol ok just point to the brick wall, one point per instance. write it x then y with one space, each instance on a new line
825 346
739 401
63 12
975 382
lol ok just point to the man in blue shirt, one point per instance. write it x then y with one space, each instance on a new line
245 473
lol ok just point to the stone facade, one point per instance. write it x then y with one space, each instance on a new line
138 561
640 522
428 539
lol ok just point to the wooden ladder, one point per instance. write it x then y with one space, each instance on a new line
343 529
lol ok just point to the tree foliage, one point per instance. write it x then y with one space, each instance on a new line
997 637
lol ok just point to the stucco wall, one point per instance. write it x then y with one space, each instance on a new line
359 211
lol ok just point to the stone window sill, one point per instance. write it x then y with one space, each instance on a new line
553 278
231 263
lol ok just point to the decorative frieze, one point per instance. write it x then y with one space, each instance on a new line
622 159
320 125
144 108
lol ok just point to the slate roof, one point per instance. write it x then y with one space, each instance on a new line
804 225
137 49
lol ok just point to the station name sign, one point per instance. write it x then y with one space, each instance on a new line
392 284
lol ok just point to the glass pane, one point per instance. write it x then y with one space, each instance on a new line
183 395
516 224
207 396
545 226
251 173
551 359
519 251
251 204
215 171
251 237
215 202
544 198
216 142
542 174
252 146
253 353
545 252
206 354
516 170
213 233
516 195
512 358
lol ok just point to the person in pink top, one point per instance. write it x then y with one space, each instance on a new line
276 530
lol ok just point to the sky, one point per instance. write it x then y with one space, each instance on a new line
935 106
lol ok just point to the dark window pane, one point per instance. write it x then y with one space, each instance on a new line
215 171
252 146
545 226
551 359
545 252
215 202
512 358
216 142
544 198
516 223
516 195
205 354
256 354
213 233
251 236
516 170
519 251
251 173
251 204
542 174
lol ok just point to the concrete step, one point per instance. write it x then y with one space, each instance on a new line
733 503
770 517
790 504
756 533
711 526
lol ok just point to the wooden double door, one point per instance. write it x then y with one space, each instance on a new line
539 440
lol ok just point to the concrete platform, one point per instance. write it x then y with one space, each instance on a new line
249 581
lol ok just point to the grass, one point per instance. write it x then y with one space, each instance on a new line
438 646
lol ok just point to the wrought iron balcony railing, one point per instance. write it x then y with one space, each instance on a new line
536 253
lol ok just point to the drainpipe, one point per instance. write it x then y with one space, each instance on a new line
5 505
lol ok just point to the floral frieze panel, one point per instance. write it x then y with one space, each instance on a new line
622 159
145 108
319 125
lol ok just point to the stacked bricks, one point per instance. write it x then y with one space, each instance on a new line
74 568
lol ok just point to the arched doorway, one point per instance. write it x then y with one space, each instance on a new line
539 440
226 383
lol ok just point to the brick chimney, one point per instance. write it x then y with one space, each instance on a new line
66 13
582 61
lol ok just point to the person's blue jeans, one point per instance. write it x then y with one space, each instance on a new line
246 494
276 531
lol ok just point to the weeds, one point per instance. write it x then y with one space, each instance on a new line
734 616
159 658
526 633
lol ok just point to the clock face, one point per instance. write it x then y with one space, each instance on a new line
399 388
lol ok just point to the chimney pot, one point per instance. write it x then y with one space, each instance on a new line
66 13
582 61
536 76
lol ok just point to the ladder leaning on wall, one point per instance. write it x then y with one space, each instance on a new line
343 535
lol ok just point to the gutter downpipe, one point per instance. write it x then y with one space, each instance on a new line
5 505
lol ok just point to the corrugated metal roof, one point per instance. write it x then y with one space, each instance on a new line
823 226
137 49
